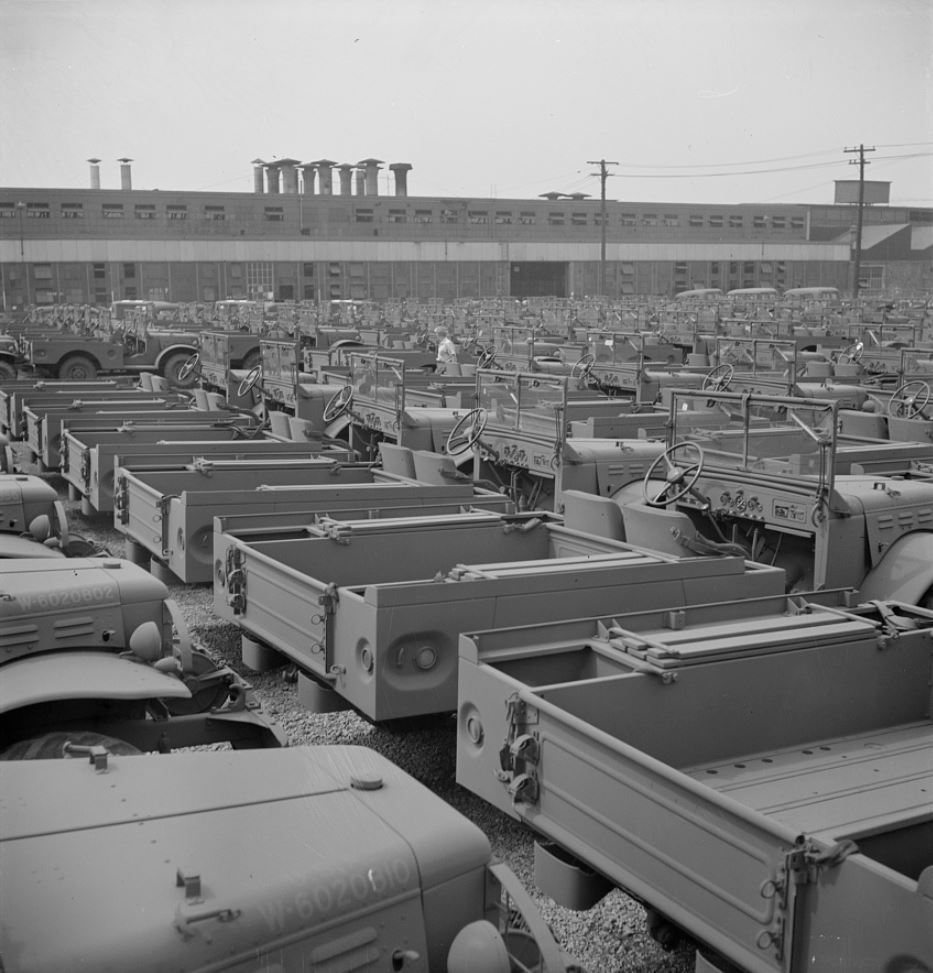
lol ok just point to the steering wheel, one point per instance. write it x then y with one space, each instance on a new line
338 404
851 354
486 359
909 401
466 432
190 366
249 382
582 367
718 379
682 476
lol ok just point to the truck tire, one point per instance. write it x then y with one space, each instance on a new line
171 369
7 370
51 746
77 368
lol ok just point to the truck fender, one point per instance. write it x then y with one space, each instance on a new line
905 573
186 349
84 674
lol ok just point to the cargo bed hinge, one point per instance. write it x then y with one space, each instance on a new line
120 503
518 756
328 599
235 579
163 504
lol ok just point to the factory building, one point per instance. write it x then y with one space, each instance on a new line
322 230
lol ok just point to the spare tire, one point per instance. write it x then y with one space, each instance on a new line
51 746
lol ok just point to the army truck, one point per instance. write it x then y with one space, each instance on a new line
370 610
345 862
778 481
757 773
93 650
519 437
82 357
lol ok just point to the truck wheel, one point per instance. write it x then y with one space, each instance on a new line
7 371
172 370
51 746
77 368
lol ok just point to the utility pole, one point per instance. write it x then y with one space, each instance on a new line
861 163
603 176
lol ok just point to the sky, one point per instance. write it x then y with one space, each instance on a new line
705 101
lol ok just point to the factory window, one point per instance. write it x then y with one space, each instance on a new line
176 212
274 214
100 271
736 221
628 287
42 271
72 211
766 267
7 211
307 270
364 215
38 211
113 211
555 219
45 296
578 219
671 219
214 213
913 216
871 278
628 269
309 292
760 222
649 219
716 222
334 269
144 211
527 218
236 270
449 216
397 216
714 267
628 219
423 216
504 217
680 268
748 268
478 217
695 220
779 222
129 271
797 222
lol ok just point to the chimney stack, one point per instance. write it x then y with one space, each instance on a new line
325 175
400 170
370 176
289 176
95 173
126 179
308 172
359 178
345 172
258 184
273 177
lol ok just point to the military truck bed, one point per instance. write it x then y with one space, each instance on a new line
760 777
376 607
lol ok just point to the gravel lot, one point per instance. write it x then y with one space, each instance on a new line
608 939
